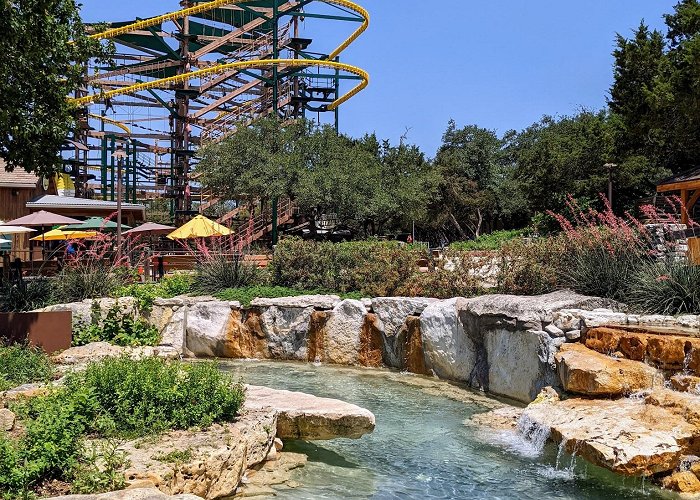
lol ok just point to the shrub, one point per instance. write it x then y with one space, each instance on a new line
666 286
26 295
458 274
86 280
492 241
112 398
374 268
23 365
151 395
115 328
217 272
529 267
146 293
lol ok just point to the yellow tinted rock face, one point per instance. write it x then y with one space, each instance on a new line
587 372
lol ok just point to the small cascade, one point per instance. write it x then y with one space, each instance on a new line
530 438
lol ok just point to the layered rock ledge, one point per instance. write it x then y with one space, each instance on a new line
302 416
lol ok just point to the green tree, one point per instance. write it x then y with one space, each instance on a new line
44 48
656 91
466 164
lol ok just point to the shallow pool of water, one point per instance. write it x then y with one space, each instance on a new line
421 447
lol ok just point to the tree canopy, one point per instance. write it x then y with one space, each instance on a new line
44 47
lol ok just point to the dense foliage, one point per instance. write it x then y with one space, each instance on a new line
116 328
23 365
44 47
145 293
112 398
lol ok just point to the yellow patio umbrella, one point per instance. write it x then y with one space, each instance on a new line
60 235
199 227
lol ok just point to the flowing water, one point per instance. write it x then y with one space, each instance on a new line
421 447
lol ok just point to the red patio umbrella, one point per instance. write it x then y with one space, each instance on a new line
149 228
42 219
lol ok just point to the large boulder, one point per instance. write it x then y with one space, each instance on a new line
343 329
206 327
96 310
391 314
213 461
303 416
587 372
626 436
286 330
513 354
449 352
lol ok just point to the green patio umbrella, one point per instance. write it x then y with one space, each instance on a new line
94 224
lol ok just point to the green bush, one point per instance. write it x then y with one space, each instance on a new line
667 286
460 279
88 280
26 295
137 398
23 365
112 398
146 293
491 241
530 267
374 268
217 272
115 328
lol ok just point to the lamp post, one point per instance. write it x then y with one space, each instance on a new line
610 167
119 154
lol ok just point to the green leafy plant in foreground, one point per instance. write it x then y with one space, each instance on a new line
666 286
117 328
146 293
22 365
115 398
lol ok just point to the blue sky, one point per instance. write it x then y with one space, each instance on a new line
500 64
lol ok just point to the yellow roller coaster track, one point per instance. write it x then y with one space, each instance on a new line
112 122
221 68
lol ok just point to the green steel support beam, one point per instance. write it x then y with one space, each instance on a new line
103 168
275 98
357 19
161 42
112 146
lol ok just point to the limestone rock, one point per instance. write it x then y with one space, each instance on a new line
573 335
321 302
286 330
686 383
391 314
682 482
626 436
302 416
7 420
272 473
342 344
206 328
130 494
532 312
587 372
87 353
83 311
554 331
218 456
449 353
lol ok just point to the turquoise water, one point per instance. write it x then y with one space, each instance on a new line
421 447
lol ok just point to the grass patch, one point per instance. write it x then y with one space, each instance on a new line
246 295
23 365
115 398
174 457
146 293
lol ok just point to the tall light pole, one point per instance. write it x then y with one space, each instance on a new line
610 167
119 154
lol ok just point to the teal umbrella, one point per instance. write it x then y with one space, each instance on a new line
94 224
